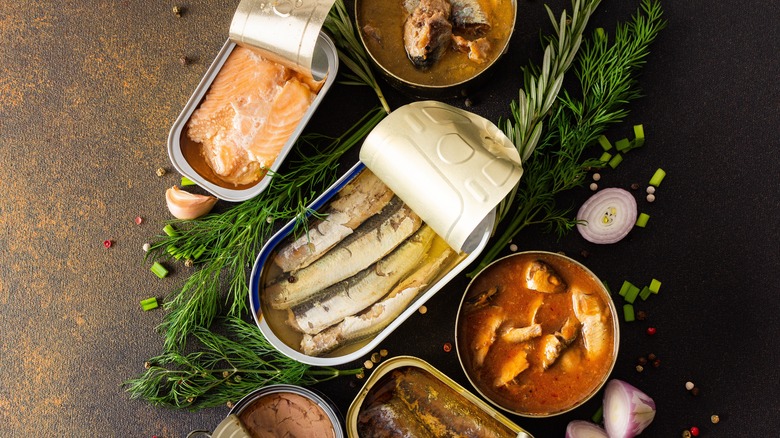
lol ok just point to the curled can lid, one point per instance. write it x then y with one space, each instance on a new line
285 30
452 167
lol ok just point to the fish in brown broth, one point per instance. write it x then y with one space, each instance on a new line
427 32
592 313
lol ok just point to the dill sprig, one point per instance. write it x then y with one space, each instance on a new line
222 371
228 242
541 87
351 51
607 76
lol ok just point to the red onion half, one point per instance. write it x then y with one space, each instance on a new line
607 216
627 410
584 429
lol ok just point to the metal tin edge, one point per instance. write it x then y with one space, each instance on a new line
615 325
270 246
329 55
403 361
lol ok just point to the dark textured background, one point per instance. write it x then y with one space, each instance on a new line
89 90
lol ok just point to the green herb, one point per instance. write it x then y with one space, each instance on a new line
657 177
641 221
226 244
224 370
159 270
149 304
186 182
598 416
628 313
541 88
607 75
351 50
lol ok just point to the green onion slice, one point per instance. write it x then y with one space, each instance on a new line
608 216
159 270
655 286
169 230
644 293
631 295
628 312
658 176
615 161
605 143
642 220
186 182
149 304
623 145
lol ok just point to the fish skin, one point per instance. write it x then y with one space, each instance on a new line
390 419
361 198
427 32
590 311
470 17
373 320
551 346
541 277
356 293
374 239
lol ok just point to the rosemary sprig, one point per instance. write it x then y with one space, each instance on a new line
223 371
351 50
230 240
541 88
607 74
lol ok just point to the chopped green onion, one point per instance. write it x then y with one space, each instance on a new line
605 143
655 286
628 313
613 163
159 270
623 145
658 176
631 294
600 33
605 157
639 135
149 304
174 252
644 293
199 252
186 182
625 287
641 221
170 231
598 415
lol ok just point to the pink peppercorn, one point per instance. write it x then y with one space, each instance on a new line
695 431
651 331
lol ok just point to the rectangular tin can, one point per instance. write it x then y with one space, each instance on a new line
378 389
321 61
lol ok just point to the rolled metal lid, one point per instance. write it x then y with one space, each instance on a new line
285 30
452 167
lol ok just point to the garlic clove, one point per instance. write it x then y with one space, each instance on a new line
185 205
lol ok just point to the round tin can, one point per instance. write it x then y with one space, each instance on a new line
261 410
476 300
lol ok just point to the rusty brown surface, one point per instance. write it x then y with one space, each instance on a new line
88 93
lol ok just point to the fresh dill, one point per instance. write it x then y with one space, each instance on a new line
607 76
351 51
222 371
228 242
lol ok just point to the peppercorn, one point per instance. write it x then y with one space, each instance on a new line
468 103
686 433
229 404
177 11
652 356
695 391
368 364
139 220
189 263
291 279
383 352
641 315
650 198
642 360
423 310
651 331
147 365
695 431
656 363
184 60
715 419
689 385
375 357
639 368
635 186
447 347
107 243
160 171
596 176
584 253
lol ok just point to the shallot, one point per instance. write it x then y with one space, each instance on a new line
607 216
584 429
627 410
185 205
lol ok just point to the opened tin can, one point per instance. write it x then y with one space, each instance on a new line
256 98
279 410
411 215
406 396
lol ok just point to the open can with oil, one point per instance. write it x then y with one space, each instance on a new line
279 410
406 396
416 209
256 97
